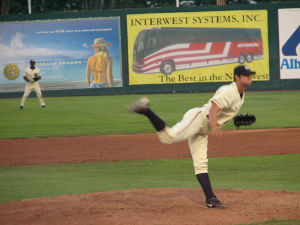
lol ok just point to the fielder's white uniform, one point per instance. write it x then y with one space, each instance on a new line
32 85
195 124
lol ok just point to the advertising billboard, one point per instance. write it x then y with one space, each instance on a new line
289 43
196 47
71 53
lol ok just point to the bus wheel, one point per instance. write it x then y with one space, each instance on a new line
242 58
167 67
249 57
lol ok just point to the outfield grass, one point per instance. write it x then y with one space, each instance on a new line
73 116
279 172
277 222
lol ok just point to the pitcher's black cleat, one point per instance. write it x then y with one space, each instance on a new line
214 202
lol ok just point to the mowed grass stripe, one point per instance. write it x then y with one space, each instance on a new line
280 172
92 115
276 222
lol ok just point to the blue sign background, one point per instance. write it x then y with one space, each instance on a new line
60 48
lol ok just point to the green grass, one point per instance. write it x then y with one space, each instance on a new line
280 172
277 222
73 116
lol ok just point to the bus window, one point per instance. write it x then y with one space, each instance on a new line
140 46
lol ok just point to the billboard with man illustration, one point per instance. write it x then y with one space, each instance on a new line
61 49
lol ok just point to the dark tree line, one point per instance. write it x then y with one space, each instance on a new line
40 6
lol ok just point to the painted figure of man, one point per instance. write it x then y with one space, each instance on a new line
100 65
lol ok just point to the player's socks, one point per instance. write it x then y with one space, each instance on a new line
157 122
203 179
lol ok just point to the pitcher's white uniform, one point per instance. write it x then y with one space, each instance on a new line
195 124
198 122
32 85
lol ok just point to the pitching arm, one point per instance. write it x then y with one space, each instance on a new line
213 117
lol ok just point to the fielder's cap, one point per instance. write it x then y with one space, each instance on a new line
100 42
32 61
243 70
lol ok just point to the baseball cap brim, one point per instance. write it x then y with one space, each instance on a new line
98 45
249 73
243 70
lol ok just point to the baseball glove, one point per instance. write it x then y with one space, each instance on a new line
36 77
244 120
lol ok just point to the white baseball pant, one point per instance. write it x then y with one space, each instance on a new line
194 127
28 89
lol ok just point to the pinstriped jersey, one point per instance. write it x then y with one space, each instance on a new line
229 100
29 73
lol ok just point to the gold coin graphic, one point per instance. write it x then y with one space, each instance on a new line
11 71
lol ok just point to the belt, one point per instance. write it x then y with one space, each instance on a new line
98 71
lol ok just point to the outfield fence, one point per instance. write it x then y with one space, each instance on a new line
153 50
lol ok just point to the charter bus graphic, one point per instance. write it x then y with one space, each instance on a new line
167 49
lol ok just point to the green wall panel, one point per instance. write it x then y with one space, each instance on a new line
274 84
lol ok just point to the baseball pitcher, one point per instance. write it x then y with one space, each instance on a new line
31 76
198 122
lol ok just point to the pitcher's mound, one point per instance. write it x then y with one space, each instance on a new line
153 206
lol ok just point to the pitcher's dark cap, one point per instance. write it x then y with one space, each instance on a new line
32 61
243 70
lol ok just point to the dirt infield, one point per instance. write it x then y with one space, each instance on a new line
152 206
143 146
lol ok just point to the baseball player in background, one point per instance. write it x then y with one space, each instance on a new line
198 122
31 76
